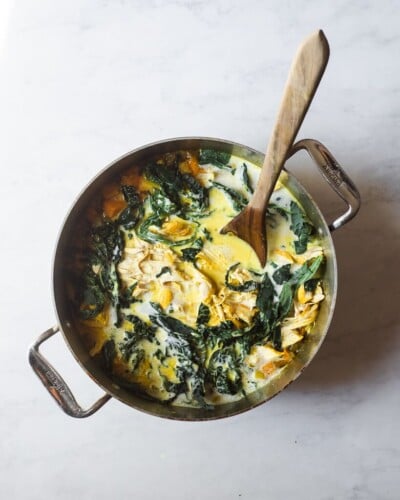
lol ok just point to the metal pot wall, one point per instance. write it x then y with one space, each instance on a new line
334 175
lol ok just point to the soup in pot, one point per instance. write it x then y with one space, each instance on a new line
175 310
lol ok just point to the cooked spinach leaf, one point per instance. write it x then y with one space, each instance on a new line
307 270
144 232
100 281
169 323
282 274
177 193
237 199
245 179
125 300
130 346
224 332
272 311
203 315
301 227
93 297
184 194
266 294
189 373
182 345
223 368
168 178
277 337
197 194
130 216
274 209
108 354
190 254
130 349
311 284
142 329
161 204
224 371
106 242
207 234
131 195
285 301
217 158
190 346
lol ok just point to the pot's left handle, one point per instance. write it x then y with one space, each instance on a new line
55 384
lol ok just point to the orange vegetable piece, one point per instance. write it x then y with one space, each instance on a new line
113 206
268 368
114 201
193 165
111 191
135 178
131 178
190 164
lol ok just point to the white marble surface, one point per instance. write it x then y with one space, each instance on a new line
84 81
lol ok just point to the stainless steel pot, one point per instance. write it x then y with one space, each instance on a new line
55 384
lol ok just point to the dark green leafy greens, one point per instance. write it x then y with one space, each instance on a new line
168 178
195 197
224 371
107 354
301 227
186 197
245 179
307 270
130 216
100 283
311 284
274 310
177 193
180 344
274 209
203 315
237 199
217 158
196 368
190 254
130 346
93 297
282 274
161 204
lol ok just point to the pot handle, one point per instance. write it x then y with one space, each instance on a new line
335 176
55 384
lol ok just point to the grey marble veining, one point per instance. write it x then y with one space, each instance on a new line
84 81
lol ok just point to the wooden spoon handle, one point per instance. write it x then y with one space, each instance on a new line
305 74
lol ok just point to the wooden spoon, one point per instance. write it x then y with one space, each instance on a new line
305 74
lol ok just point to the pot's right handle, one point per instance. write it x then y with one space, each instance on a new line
335 176
55 384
